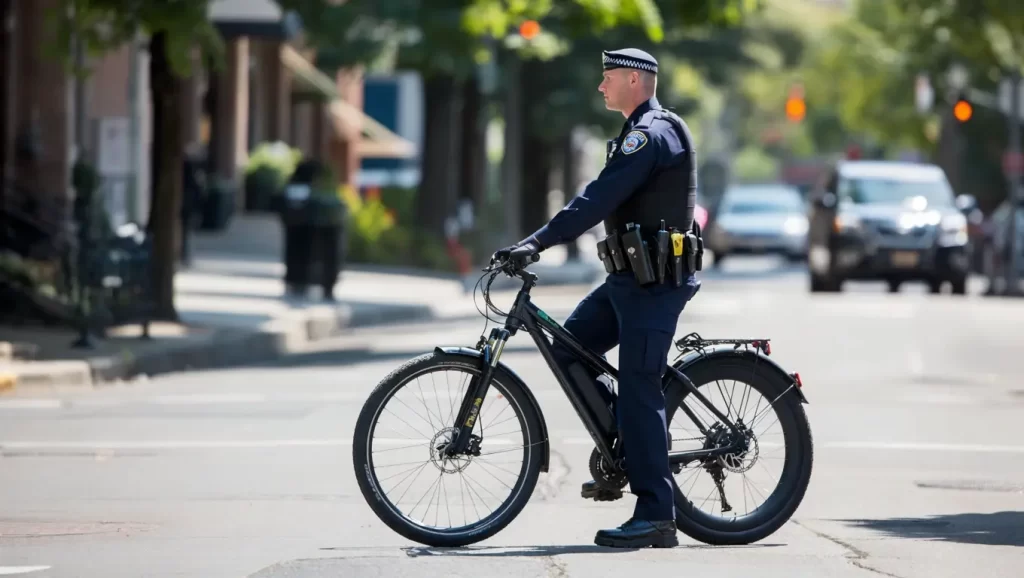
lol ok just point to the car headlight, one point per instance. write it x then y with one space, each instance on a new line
953 230
845 223
795 226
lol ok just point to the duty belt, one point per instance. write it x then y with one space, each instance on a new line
654 259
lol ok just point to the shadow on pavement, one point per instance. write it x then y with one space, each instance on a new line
995 529
544 551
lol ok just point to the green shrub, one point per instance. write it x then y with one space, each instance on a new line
269 167
378 233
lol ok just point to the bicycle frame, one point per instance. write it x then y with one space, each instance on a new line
584 397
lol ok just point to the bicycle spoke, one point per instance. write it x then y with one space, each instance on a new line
735 471
400 466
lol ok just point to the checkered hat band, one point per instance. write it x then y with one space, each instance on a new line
630 63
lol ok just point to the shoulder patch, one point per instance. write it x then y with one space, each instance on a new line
633 142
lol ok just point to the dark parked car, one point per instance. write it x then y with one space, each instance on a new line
884 220
994 248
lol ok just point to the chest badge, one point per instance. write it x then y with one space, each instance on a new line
633 142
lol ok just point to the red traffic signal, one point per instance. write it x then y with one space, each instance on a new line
963 111
796 106
529 29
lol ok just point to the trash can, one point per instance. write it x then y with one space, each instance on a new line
313 216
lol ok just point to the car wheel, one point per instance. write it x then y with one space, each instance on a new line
825 284
959 285
894 285
935 286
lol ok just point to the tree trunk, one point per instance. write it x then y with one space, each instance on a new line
6 86
167 158
511 166
537 167
570 179
472 179
438 186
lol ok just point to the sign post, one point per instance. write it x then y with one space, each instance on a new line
1014 195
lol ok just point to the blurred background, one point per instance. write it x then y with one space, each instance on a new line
242 214
432 132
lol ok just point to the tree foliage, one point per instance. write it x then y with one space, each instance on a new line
104 25
863 70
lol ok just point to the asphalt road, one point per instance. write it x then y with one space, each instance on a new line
915 403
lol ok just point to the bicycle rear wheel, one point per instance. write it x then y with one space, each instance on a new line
508 451
751 395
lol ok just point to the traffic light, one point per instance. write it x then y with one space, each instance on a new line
962 110
529 29
796 107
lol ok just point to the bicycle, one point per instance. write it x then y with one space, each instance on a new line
729 445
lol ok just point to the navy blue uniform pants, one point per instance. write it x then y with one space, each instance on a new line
642 322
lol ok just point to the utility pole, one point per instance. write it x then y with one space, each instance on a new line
1013 194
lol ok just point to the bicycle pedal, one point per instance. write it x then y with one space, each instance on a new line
601 494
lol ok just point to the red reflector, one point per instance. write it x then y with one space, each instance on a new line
796 377
767 348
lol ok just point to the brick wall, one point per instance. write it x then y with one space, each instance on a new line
41 105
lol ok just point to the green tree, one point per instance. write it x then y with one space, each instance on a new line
861 74
448 41
175 29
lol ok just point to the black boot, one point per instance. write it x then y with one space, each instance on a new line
592 491
639 534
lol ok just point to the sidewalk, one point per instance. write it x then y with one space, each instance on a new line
233 310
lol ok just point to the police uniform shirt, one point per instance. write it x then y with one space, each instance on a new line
646 143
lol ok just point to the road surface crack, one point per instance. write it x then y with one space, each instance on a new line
556 568
854 555
552 482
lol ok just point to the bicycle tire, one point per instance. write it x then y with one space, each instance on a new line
793 481
504 514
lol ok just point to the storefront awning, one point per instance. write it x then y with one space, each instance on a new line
307 80
255 18
377 140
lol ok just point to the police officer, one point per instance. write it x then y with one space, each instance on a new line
649 177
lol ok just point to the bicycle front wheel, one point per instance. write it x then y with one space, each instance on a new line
399 463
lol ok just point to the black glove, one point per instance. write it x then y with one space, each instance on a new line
521 252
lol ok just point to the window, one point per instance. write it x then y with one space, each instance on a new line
894 191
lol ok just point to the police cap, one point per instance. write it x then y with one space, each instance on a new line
629 58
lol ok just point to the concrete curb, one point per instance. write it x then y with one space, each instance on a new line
222 348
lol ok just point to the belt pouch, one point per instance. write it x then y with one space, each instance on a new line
606 258
639 257
615 250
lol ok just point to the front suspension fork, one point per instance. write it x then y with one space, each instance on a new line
477 390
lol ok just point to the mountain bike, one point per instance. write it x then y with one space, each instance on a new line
455 438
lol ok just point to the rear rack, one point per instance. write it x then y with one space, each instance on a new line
694 342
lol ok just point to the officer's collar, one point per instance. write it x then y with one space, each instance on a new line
642 108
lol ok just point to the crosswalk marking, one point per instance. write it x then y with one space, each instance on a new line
111 445
13 570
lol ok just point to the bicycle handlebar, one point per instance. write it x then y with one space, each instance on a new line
513 267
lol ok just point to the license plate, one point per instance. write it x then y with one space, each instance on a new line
904 259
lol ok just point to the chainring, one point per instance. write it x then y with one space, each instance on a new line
606 475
